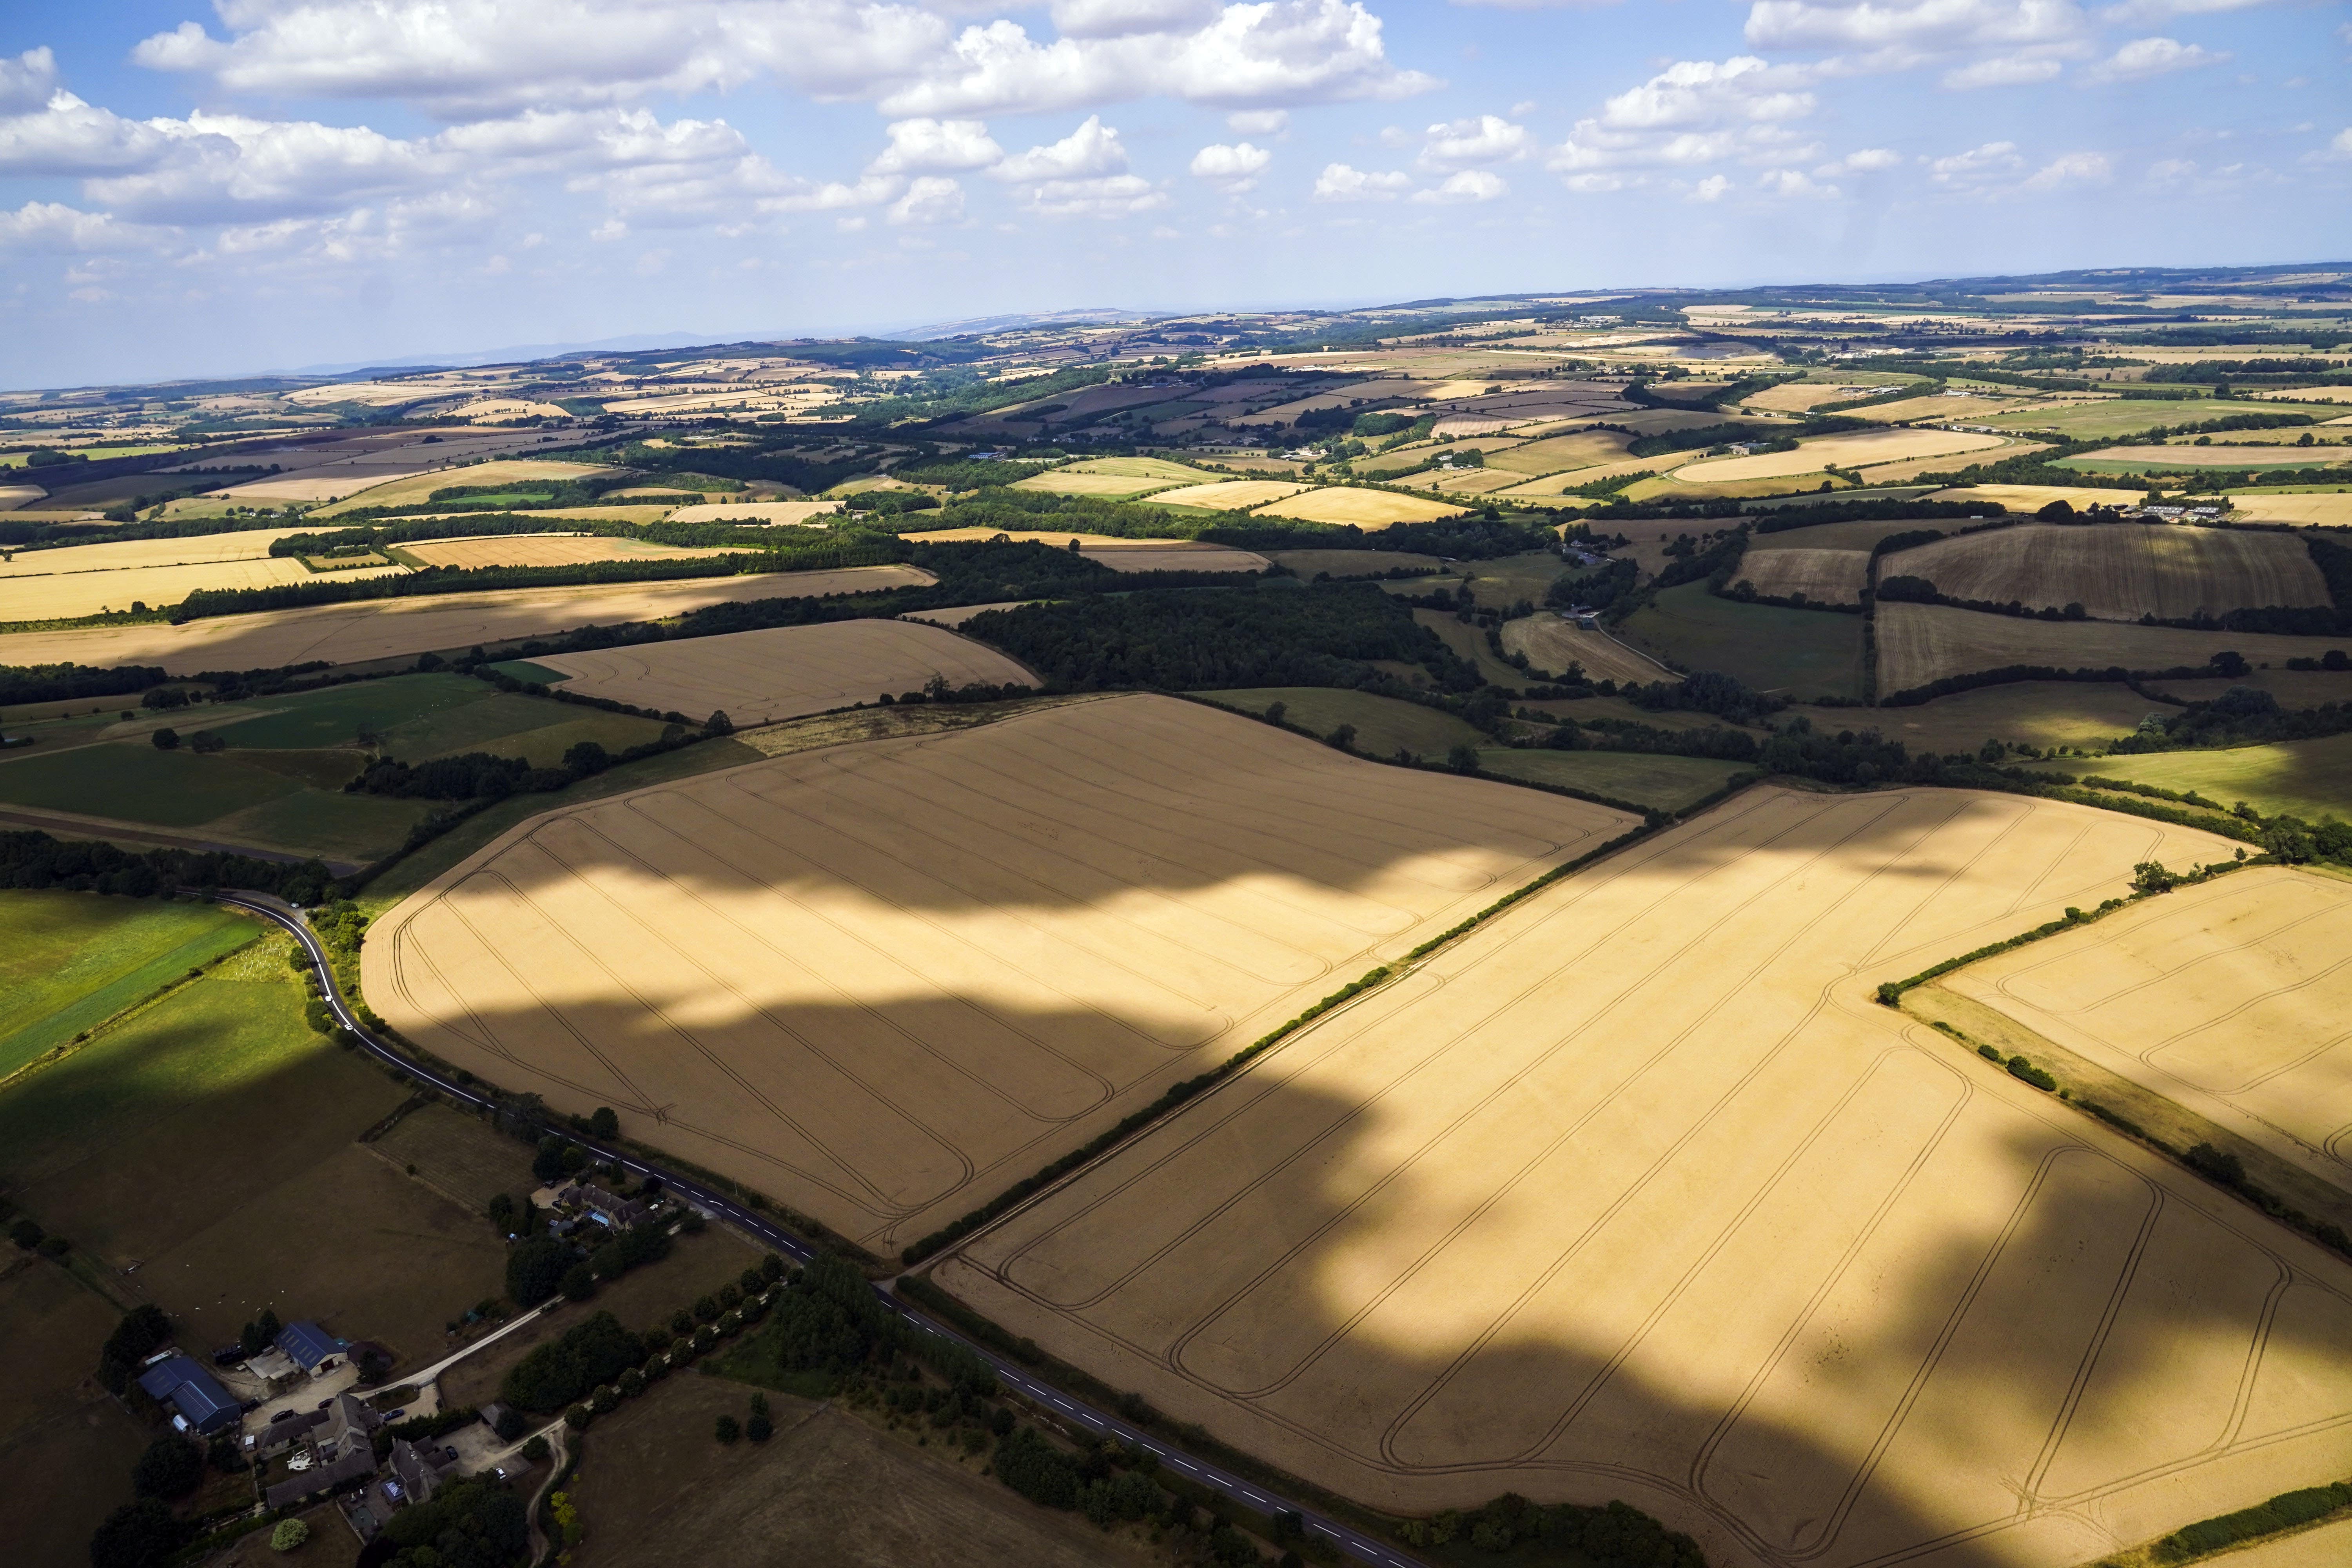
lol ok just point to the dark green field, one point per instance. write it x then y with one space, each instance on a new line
1794 653
1669 783
1384 725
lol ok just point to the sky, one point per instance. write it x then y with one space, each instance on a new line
189 191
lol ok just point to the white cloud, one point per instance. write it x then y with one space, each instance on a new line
936 145
1868 161
1795 184
1475 144
2145 57
2165 10
2342 146
1994 170
932 199
1124 18
1339 182
66 136
27 81
2071 169
1258 122
1693 112
1234 168
1711 189
1469 185
2003 70
1109 197
52 227
1093 148
1976 165
1898 31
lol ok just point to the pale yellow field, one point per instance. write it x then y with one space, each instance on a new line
1134 468
810 513
1578 450
1365 508
2187 457
1067 482
64 597
757 678
555 517
1552 645
1920 643
1558 484
2322 509
392 629
2234 998
135 553
420 487
1895 410
1799 396
884 982
2034 498
543 550
1858 448
955 616
1635 1193
2119 571
1230 495
1119 555
1824 577
14 496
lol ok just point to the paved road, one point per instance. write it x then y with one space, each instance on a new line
1363 1547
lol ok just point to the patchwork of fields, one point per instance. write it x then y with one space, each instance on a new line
1568 1209
1920 643
884 982
2119 572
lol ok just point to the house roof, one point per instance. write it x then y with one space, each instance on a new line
308 1344
192 1390
332 1474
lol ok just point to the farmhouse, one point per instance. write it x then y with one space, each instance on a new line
196 1397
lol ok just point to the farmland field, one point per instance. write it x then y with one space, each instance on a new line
2108 418
1119 555
2331 509
355 492
1668 784
1937 406
392 629
1920 643
1577 449
956 614
67 1446
1365 508
1861 536
1229 495
807 513
1384 725
70 961
785 671
543 550
884 982
1469 644
1798 653
1354 563
1824 577
2173 459
71 595
129 553
2233 998
1552 645
1856 449
2042 713
2034 498
1069 482
1635 1193
2119 572
2310 779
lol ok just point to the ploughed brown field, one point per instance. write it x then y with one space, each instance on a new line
394 628
1636 1192
1824 577
2119 572
784 671
884 982
2233 998
1920 643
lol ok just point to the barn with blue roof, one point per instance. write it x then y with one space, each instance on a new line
192 1392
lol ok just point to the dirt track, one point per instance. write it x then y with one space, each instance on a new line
884 982
1636 1193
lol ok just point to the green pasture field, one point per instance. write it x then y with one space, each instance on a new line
355 829
224 1076
1138 468
1669 783
1470 643
2039 713
2302 458
1384 725
523 670
2129 416
1802 653
2309 779
1665 487
1499 584
69 961
333 716
134 781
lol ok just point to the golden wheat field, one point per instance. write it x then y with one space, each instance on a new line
2034 498
1552 645
1636 1193
782 672
807 513
1365 508
2323 509
392 628
884 982
407 489
1229 495
1859 448
1920 643
73 594
2119 571
956 614
2233 998
252 544
1824 577
543 550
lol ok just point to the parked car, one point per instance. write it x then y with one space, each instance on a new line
395 1414
279 1416
228 1355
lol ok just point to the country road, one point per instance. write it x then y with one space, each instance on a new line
1355 1544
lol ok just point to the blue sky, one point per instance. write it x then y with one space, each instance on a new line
190 189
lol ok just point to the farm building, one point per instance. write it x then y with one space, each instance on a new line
311 1347
196 1397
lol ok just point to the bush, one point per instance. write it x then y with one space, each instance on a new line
579 1282
536 1267
510 1424
728 1430
534 1451
1037 1470
171 1467
289 1534
136 1535
561 1370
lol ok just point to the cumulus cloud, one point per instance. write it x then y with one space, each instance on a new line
2071 169
27 81
1995 169
1991 160
1469 185
1475 144
1795 183
2145 57
1714 188
2003 70
1868 161
1340 183
931 199
1898 31
2165 10
1258 122
1693 112
1233 167
1110 196
1124 18
52 227
1093 148
936 145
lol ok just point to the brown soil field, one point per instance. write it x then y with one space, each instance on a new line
1920 643
1636 1193
392 628
543 550
1823 576
132 553
809 514
2119 572
65 1447
757 678
1229 495
1552 644
2330 508
884 982
1365 508
1854 449
1120 555
29 599
655 1489
416 487
2233 998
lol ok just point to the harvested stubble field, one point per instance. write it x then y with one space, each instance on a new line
1824 577
2119 572
1920 643
2175 459
1578 450
394 628
2317 509
2034 498
1861 536
1365 508
757 678
1897 411
884 982
2233 998
1856 449
544 550
1552 644
1119 555
74 594
127 553
2108 418
957 614
1228 495
808 513
419 487
1636 1193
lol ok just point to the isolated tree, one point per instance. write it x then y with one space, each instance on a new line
26 1233
171 1467
1463 758
605 1123
1343 737
579 1282
718 724
166 739
289 1534
728 1430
